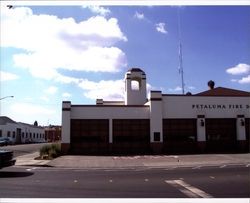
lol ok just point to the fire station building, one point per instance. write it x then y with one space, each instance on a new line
216 120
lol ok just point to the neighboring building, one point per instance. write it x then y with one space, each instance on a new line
53 133
20 132
217 120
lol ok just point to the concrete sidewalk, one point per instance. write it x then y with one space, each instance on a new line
29 160
149 161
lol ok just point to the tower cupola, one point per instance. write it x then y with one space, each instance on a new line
135 87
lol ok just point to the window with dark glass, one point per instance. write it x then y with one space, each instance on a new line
157 137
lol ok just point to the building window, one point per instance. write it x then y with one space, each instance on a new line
30 135
26 135
8 134
157 136
13 134
34 135
0 133
37 135
22 134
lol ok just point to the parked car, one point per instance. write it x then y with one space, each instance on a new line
6 158
28 141
4 141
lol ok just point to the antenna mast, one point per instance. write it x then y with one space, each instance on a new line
180 54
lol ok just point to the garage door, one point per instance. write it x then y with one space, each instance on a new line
89 136
247 121
179 136
221 135
131 136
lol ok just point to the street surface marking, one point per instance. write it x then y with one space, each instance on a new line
110 181
75 181
187 189
146 180
223 166
170 168
197 167
142 169
247 165
212 177
30 169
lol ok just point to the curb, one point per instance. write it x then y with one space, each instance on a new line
153 166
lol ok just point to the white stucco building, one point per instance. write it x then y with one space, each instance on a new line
20 132
214 120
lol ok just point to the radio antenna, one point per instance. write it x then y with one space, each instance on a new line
181 72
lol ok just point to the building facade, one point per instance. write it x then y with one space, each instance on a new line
53 133
216 120
21 132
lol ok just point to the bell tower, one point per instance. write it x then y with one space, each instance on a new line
135 87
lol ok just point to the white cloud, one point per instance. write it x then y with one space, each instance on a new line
160 27
179 89
66 95
139 16
44 98
176 89
50 43
245 80
105 89
239 69
191 87
234 80
51 90
98 9
28 113
5 76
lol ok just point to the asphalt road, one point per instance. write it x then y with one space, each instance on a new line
23 149
206 182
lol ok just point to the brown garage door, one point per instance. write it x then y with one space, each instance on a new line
131 136
247 121
221 135
179 136
89 136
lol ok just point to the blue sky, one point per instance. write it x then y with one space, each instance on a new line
80 53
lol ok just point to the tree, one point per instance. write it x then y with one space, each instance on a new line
35 123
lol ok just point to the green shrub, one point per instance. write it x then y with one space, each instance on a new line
50 151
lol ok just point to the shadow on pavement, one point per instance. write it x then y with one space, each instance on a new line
8 174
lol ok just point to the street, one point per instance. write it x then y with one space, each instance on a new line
22 149
196 182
